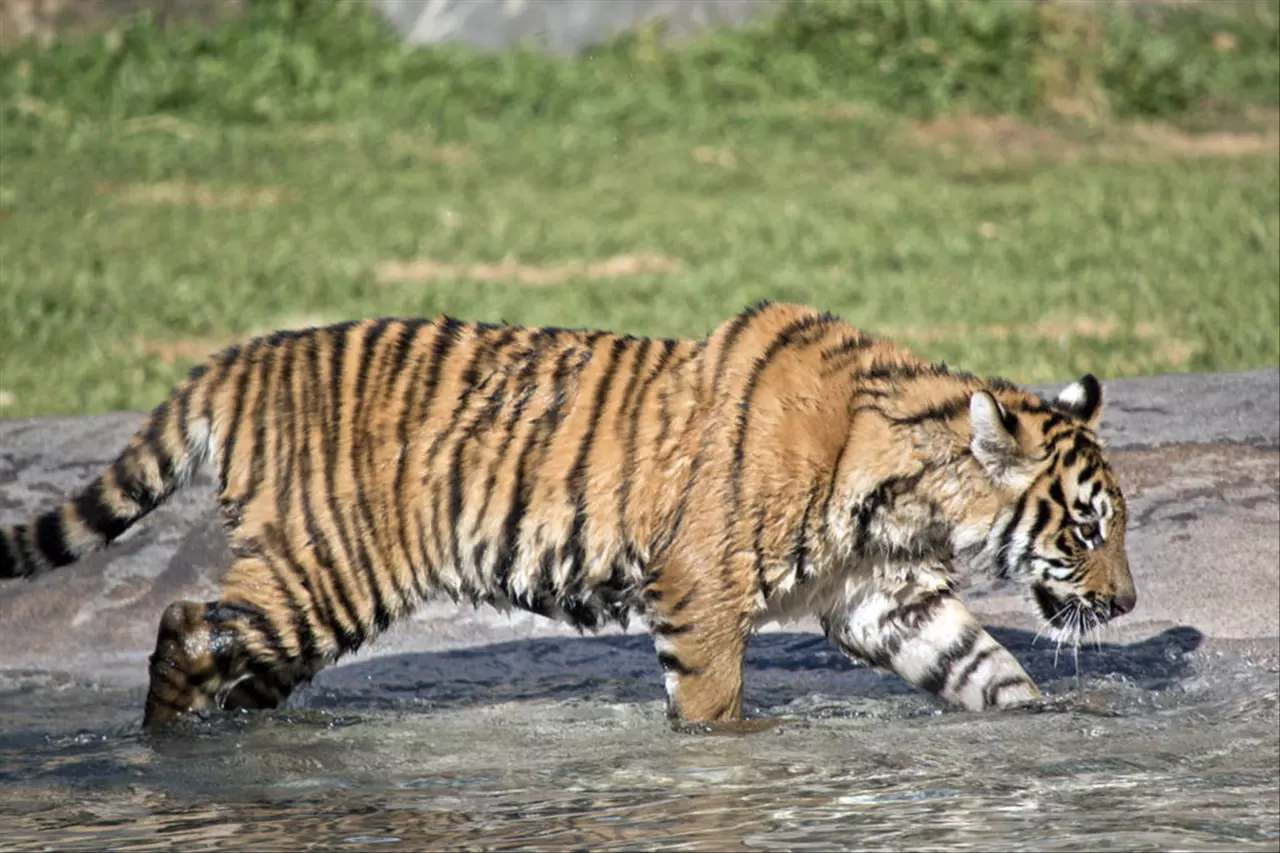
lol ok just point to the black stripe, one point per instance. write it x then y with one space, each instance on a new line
1009 419
218 615
936 678
841 357
96 514
277 549
447 332
914 614
670 663
522 490
672 530
832 487
258 427
184 412
936 412
236 423
664 400
883 496
881 370
846 346
637 364
293 487
351 630
51 541
155 443
576 484
634 397
468 381
668 629
1043 515
393 368
962 678
800 549
346 628
332 447
404 345
526 388
1005 552
991 693
757 547
471 380
540 597
276 555
782 340
731 335
282 403
684 602
477 556
360 436
482 421
883 655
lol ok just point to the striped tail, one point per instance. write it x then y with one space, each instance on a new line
162 457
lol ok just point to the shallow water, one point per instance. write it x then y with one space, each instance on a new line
562 743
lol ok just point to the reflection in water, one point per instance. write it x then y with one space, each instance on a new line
562 744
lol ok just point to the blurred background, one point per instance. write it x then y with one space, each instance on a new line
1033 189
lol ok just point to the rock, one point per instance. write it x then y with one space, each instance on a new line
558 26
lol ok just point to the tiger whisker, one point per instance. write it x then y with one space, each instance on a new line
1075 645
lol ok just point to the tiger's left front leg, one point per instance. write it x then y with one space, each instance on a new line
926 635
702 649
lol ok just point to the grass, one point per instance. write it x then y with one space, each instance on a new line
1017 191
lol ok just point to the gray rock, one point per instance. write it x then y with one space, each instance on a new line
559 26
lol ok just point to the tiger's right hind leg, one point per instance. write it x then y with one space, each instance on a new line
222 654
211 655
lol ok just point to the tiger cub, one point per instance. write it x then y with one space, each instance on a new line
787 464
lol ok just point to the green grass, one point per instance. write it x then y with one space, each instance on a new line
162 194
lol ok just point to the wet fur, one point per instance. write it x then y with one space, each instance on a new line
785 465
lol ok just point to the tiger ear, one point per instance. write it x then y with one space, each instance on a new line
1083 400
992 444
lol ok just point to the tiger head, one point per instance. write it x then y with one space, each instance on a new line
1062 532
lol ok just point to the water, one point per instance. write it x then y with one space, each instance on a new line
1172 742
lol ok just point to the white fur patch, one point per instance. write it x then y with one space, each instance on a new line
1073 395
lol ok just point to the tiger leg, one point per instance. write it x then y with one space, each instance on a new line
267 689
702 670
227 653
702 653
929 638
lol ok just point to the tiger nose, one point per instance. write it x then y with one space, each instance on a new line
1123 602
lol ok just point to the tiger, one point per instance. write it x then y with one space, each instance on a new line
785 465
